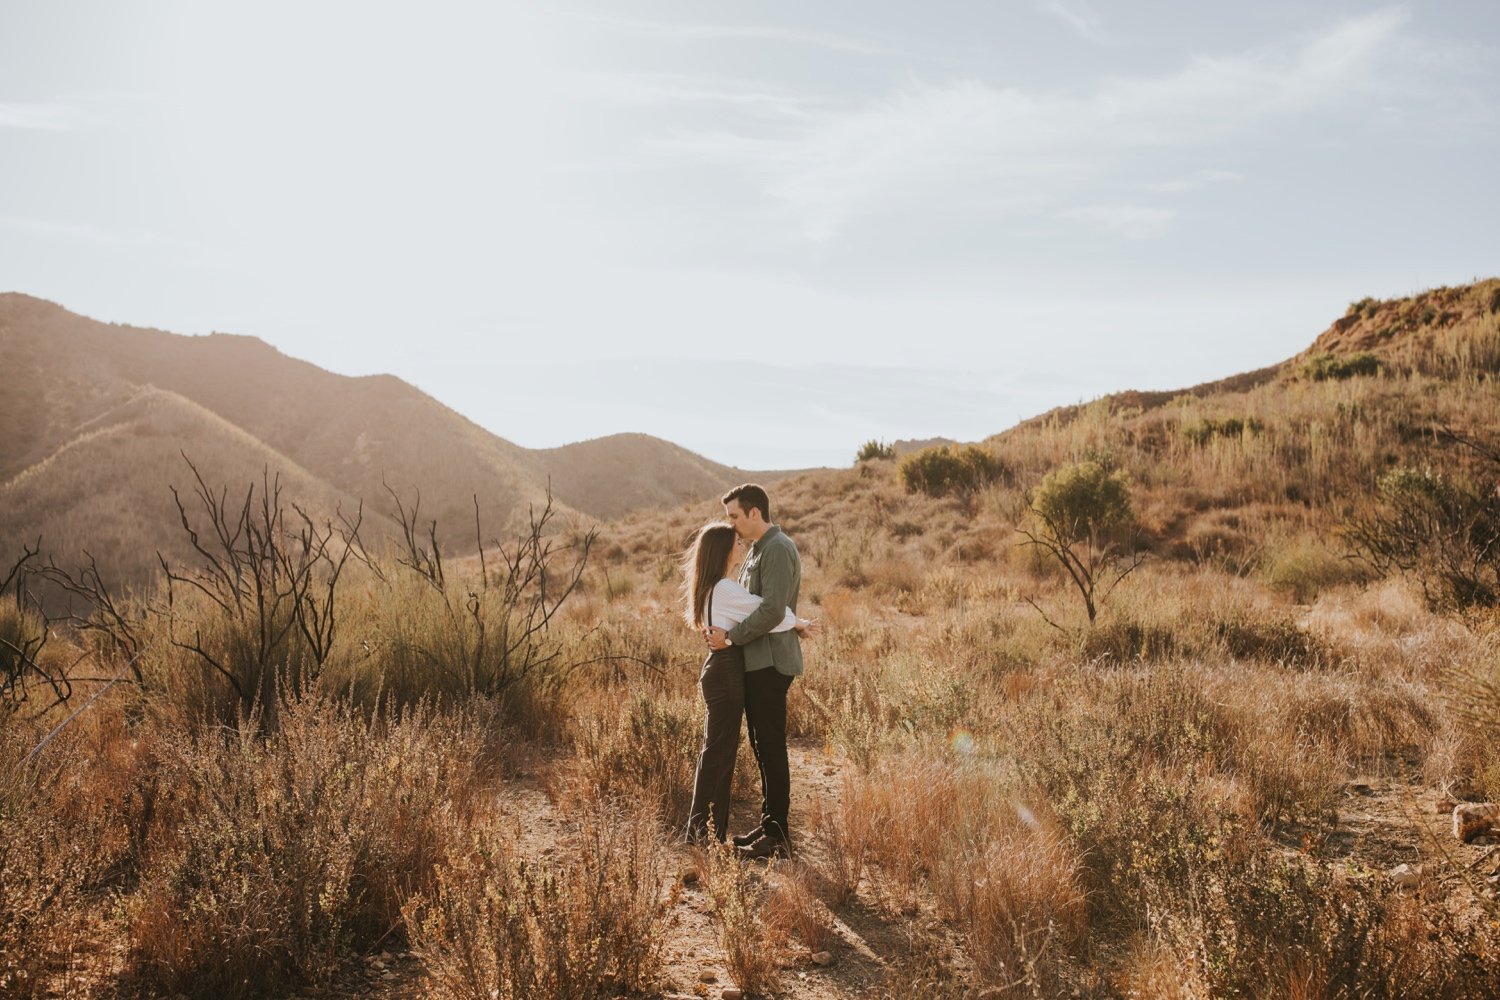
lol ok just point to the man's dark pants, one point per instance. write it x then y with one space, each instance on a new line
765 718
723 684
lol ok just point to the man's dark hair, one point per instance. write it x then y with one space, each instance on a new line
750 497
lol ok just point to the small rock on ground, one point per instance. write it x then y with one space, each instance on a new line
1404 877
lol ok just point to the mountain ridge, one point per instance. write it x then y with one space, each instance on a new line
357 436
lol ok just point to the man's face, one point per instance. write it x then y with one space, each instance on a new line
738 519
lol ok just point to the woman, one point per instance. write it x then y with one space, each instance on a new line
714 597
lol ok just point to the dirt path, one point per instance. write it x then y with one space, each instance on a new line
694 963
1384 820
1395 818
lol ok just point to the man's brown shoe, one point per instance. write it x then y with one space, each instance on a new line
765 847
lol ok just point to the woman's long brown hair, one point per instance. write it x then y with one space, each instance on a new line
702 567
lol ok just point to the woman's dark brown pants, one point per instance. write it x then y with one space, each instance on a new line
723 684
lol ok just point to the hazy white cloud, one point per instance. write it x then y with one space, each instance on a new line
741 32
1003 150
79 233
51 117
68 231
1134 222
1083 18
1196 181
652 89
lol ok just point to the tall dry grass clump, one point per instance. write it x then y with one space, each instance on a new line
647 754
42 877
752 944
795 904
1258 923
587 924
288 852
960 831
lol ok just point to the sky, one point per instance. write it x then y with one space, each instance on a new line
766 231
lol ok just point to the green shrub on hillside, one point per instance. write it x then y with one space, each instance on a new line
1205 430
1302 568
1080 514
874 449
1082 501
951 470
1337 367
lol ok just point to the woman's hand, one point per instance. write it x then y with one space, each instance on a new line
809 628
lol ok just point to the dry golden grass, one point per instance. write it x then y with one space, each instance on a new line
498 925
753 945
795 903
291 850
1145 808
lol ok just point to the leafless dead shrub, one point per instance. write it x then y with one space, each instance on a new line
26 663
265 585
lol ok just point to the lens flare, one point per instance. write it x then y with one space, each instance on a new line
962 741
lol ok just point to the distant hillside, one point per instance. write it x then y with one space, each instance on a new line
611 476
94 417
1253 473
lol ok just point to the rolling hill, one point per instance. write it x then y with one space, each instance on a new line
96 417
1255 473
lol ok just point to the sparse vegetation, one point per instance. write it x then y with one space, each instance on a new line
1206 429
1157 806
874 449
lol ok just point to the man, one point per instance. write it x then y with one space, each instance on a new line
772 571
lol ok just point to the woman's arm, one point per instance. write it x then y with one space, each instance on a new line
733 603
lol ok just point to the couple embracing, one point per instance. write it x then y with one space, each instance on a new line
750 623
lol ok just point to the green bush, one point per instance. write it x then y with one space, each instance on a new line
1337 367
1271 638
874 449
1083 500
951 470
1081 514
1303 567
1205 430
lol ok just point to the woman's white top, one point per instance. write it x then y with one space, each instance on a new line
733 604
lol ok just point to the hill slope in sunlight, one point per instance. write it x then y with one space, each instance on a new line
96 418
